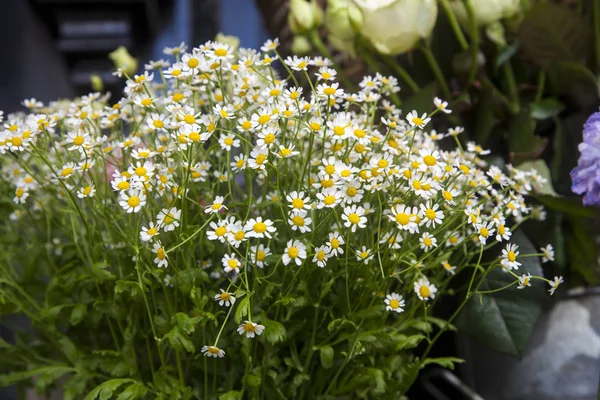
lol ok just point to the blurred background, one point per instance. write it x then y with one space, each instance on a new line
51 47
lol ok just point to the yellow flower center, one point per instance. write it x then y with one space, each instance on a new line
329 200
225 296
354 218
298 203
77 141
511 256
192 62
189 119
429 160
220 231
320 255
158 124
394 304
228 141
152 231
260 255
213 350
417 121
133 201
246 125
484 232
329 91
67 171
260 227
402 218
239 235
382 163
448 196
220 52
160 253
298 220
424 291
140 171
293 252
263 119
427 242
260 159
269 138
430 214
232 263
248 327
87 190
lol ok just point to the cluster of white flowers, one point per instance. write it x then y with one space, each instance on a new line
275 177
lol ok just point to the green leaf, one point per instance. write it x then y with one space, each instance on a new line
507 53
99 270
582 250
231 395
521 137
339 324
542 169
446 362
78 313
16 377
410 342
569 205
242 309
505 319
274 332
326 353
133 288
179 341
252 381
546 108
186 323
68 349
75 386
134 391
105 390
551 33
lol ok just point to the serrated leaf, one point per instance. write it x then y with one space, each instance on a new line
100 272
550 33
185 279
134 391
179 341
505 319
446 362
186 323
242 309
105 390
326 353
410 342
340 323
16 377
75 386
274 332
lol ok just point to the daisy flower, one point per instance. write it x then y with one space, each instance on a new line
449 268
427 242
430 214
213 351
21 194
424 289
554 284
298 201
414 119
548 253
403 216
485 230
133 200
524 280
231 263
441 105
169 219
329 198
87 191
149 232
217 231
259 228
295 251
297 63
509 257
354 217
503 233
250 329
394 302
449 195
258 157
336 243
299 221
364 255
161 259
259 254
321 256
226 298
326 90
216 206
228 141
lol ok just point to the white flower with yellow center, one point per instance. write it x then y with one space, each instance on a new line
404 218
216 206
524 281
329 90
322 254
168 219
217 231
364 255
225 298
427 241
236 234
394 302
259 254
259 157
161 260
441 105
148 232
485 231
141 172
354 217
430 215
259 228
548 253
21 194
298 200
295 252
239 163
414 119
77 140
133 200
336 243
329 198
424 289
554 284
448 267
86 191
250 329
509 257
212 351
503 232
231 263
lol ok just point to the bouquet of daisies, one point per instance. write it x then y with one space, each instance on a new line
224 232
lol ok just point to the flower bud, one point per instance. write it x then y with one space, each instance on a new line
301 45
486 11
124 61
97 84
302 16
395 26
232 41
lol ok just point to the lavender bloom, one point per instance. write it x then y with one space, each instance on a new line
586 176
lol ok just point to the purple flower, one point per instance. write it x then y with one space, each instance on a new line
586 176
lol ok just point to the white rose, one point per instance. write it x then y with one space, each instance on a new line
486 11
395 26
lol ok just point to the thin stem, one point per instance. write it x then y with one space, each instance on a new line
454 24
390 62
437 72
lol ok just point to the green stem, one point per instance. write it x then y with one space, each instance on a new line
454 24
316 41
390 62
474 33
437 72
